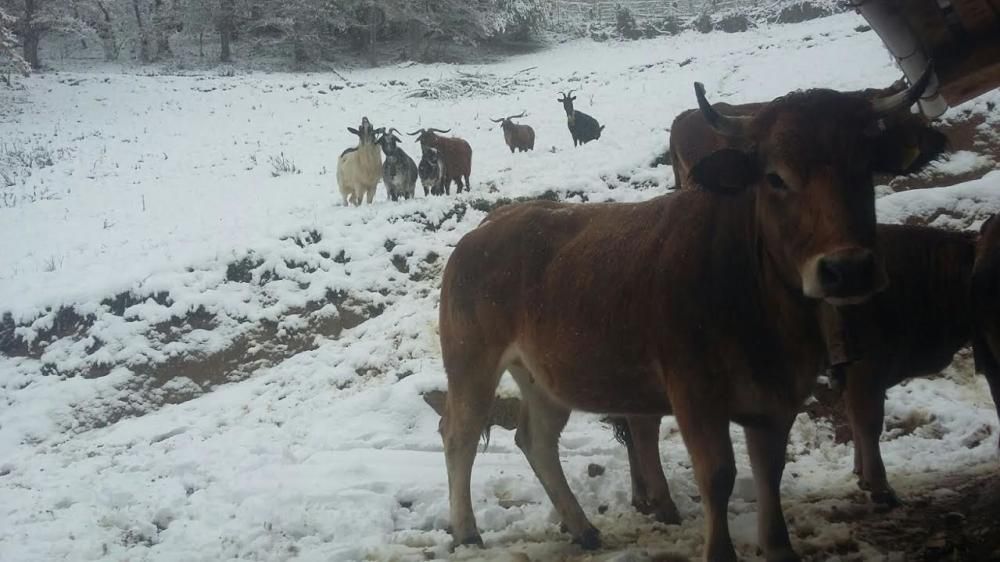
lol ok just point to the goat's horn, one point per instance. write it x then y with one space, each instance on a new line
439 130
417 132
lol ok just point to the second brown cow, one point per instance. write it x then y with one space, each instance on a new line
942 294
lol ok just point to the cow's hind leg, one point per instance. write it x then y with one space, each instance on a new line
541 421
766 445
654 491
472 382
706 436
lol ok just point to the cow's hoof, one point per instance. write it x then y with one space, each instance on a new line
668 515
783 555
589 540
887 498
665 513
472 540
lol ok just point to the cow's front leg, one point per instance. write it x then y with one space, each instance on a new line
766 445
706 436
865 402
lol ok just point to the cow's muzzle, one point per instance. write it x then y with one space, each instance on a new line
848 276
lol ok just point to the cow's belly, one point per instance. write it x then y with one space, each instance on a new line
589 382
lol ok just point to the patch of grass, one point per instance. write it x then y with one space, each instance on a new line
281 165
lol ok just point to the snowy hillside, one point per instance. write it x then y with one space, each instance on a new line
205 356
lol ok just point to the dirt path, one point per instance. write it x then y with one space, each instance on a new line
947 517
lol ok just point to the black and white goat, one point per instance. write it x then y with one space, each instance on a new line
359 168
399 172
583 127
432 173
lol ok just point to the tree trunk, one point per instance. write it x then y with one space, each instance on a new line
299 52
160 24
31 35
372 32
106 32
143 37
31 40
226 28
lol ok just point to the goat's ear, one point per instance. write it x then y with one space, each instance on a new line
727 171
572 98
397 139
353 130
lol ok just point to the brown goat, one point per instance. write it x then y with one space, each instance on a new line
455 154
520 137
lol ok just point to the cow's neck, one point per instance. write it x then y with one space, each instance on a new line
781 339
793 315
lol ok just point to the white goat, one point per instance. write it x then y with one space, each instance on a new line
360 168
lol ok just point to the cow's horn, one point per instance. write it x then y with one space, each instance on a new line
725 124
900 100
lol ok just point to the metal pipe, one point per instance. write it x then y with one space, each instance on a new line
902 43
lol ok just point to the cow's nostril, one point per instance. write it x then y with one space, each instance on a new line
829 274
847 274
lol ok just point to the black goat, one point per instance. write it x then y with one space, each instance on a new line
583 127
432 173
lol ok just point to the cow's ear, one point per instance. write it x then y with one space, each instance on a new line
353 130
727 171
903 152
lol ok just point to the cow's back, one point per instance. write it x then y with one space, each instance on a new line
692 138
917 324
625 296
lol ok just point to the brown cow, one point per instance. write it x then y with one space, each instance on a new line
913 328
454 153
908 142
520 137
694 304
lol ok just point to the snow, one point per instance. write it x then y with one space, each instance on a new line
126 435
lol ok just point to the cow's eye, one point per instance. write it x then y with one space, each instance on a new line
775 181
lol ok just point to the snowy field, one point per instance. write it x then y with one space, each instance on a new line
205 358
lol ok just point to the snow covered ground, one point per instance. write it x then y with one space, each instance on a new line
203 358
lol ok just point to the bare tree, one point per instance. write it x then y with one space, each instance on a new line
162 23
143 34
227 27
